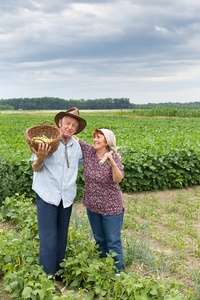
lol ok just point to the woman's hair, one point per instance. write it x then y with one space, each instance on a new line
96 131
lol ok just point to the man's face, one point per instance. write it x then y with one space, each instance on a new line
68 126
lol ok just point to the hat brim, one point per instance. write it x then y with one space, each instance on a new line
82 122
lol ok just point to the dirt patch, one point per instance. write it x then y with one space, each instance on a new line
6 226
3 295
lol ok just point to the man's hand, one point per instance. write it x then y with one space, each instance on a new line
41 153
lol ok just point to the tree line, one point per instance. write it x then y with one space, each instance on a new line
174 105
50 103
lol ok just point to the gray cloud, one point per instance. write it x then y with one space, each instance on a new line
148 52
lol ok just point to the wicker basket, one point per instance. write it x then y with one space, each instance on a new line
40 130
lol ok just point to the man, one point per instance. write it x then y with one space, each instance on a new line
54 182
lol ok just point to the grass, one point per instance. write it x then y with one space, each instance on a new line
167 224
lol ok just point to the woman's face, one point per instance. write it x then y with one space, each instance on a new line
99 141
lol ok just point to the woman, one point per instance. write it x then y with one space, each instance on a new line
102 195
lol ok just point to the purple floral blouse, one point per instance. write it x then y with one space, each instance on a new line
101 195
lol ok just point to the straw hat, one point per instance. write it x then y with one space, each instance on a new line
74 113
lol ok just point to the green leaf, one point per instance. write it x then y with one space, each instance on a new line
27 292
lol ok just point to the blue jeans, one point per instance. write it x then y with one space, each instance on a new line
107 234
53 223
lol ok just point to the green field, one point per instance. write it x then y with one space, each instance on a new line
157 153
161 225
162 134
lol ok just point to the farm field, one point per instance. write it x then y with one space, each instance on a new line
160 236
131 132
161 225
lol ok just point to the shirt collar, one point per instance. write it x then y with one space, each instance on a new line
70 142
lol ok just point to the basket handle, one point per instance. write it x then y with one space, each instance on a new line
47 121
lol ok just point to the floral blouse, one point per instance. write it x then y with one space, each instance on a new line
101 195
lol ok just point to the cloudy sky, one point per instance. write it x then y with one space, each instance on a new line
147 51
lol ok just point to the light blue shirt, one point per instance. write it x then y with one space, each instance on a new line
55 181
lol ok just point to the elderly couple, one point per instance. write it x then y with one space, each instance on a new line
54 182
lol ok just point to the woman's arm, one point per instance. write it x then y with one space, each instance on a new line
85 147
117 174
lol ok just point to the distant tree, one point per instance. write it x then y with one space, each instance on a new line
6 107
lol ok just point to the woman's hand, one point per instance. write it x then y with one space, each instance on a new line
75 137
110 159
117 175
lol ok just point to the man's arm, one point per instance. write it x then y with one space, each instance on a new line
42 153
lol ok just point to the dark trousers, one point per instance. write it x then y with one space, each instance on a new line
107 234
53 223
